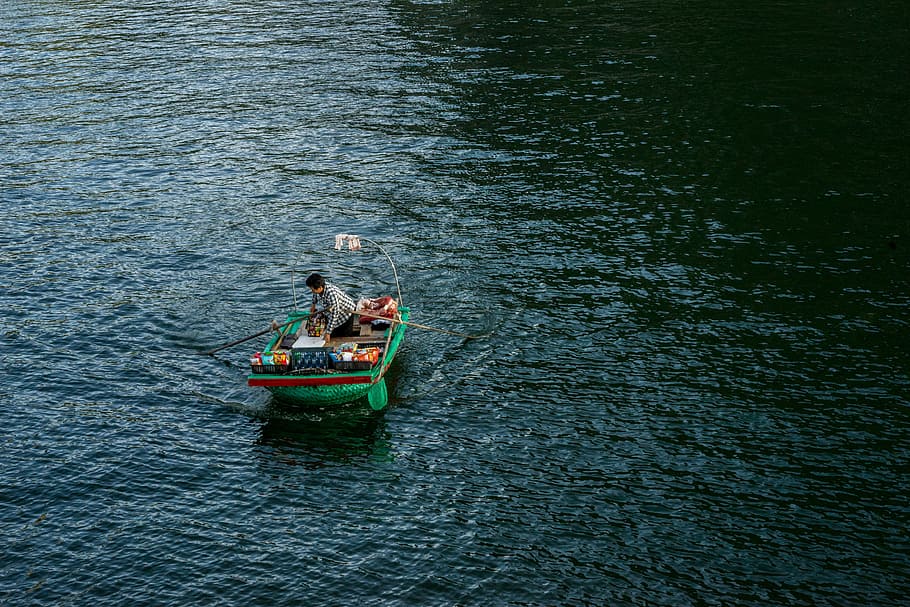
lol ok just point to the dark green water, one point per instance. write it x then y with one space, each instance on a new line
684 224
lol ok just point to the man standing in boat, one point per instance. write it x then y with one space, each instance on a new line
337 304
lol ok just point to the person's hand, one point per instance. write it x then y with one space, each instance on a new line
274 325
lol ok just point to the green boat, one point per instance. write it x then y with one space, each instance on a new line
303 369
315 375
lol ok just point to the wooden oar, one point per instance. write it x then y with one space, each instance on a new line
249 337
401 322
415 325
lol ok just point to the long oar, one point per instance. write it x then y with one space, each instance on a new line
418 326
249 337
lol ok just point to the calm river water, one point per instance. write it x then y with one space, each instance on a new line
684 226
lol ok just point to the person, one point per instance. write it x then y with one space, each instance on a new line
338 306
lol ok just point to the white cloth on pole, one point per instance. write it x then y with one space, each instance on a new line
352 239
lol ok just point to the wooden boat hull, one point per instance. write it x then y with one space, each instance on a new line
335 388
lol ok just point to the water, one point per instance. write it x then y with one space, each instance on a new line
683 225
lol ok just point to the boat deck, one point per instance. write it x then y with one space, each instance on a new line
365 335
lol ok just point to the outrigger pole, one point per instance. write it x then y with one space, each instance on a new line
415 325
248 338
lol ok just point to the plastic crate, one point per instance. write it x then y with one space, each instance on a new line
310 359
269 369
352 365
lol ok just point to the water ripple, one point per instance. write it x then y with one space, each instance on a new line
691 277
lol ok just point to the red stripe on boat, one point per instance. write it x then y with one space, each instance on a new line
327 380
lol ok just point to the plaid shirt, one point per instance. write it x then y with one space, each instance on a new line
338 306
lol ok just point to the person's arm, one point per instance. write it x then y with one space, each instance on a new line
331 313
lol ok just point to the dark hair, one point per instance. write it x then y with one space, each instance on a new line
314 281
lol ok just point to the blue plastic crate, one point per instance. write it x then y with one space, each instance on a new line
310 359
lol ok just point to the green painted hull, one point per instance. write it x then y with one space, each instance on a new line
321 396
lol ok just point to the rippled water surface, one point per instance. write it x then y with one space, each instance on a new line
684 227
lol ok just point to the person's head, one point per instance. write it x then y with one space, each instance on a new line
315 282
